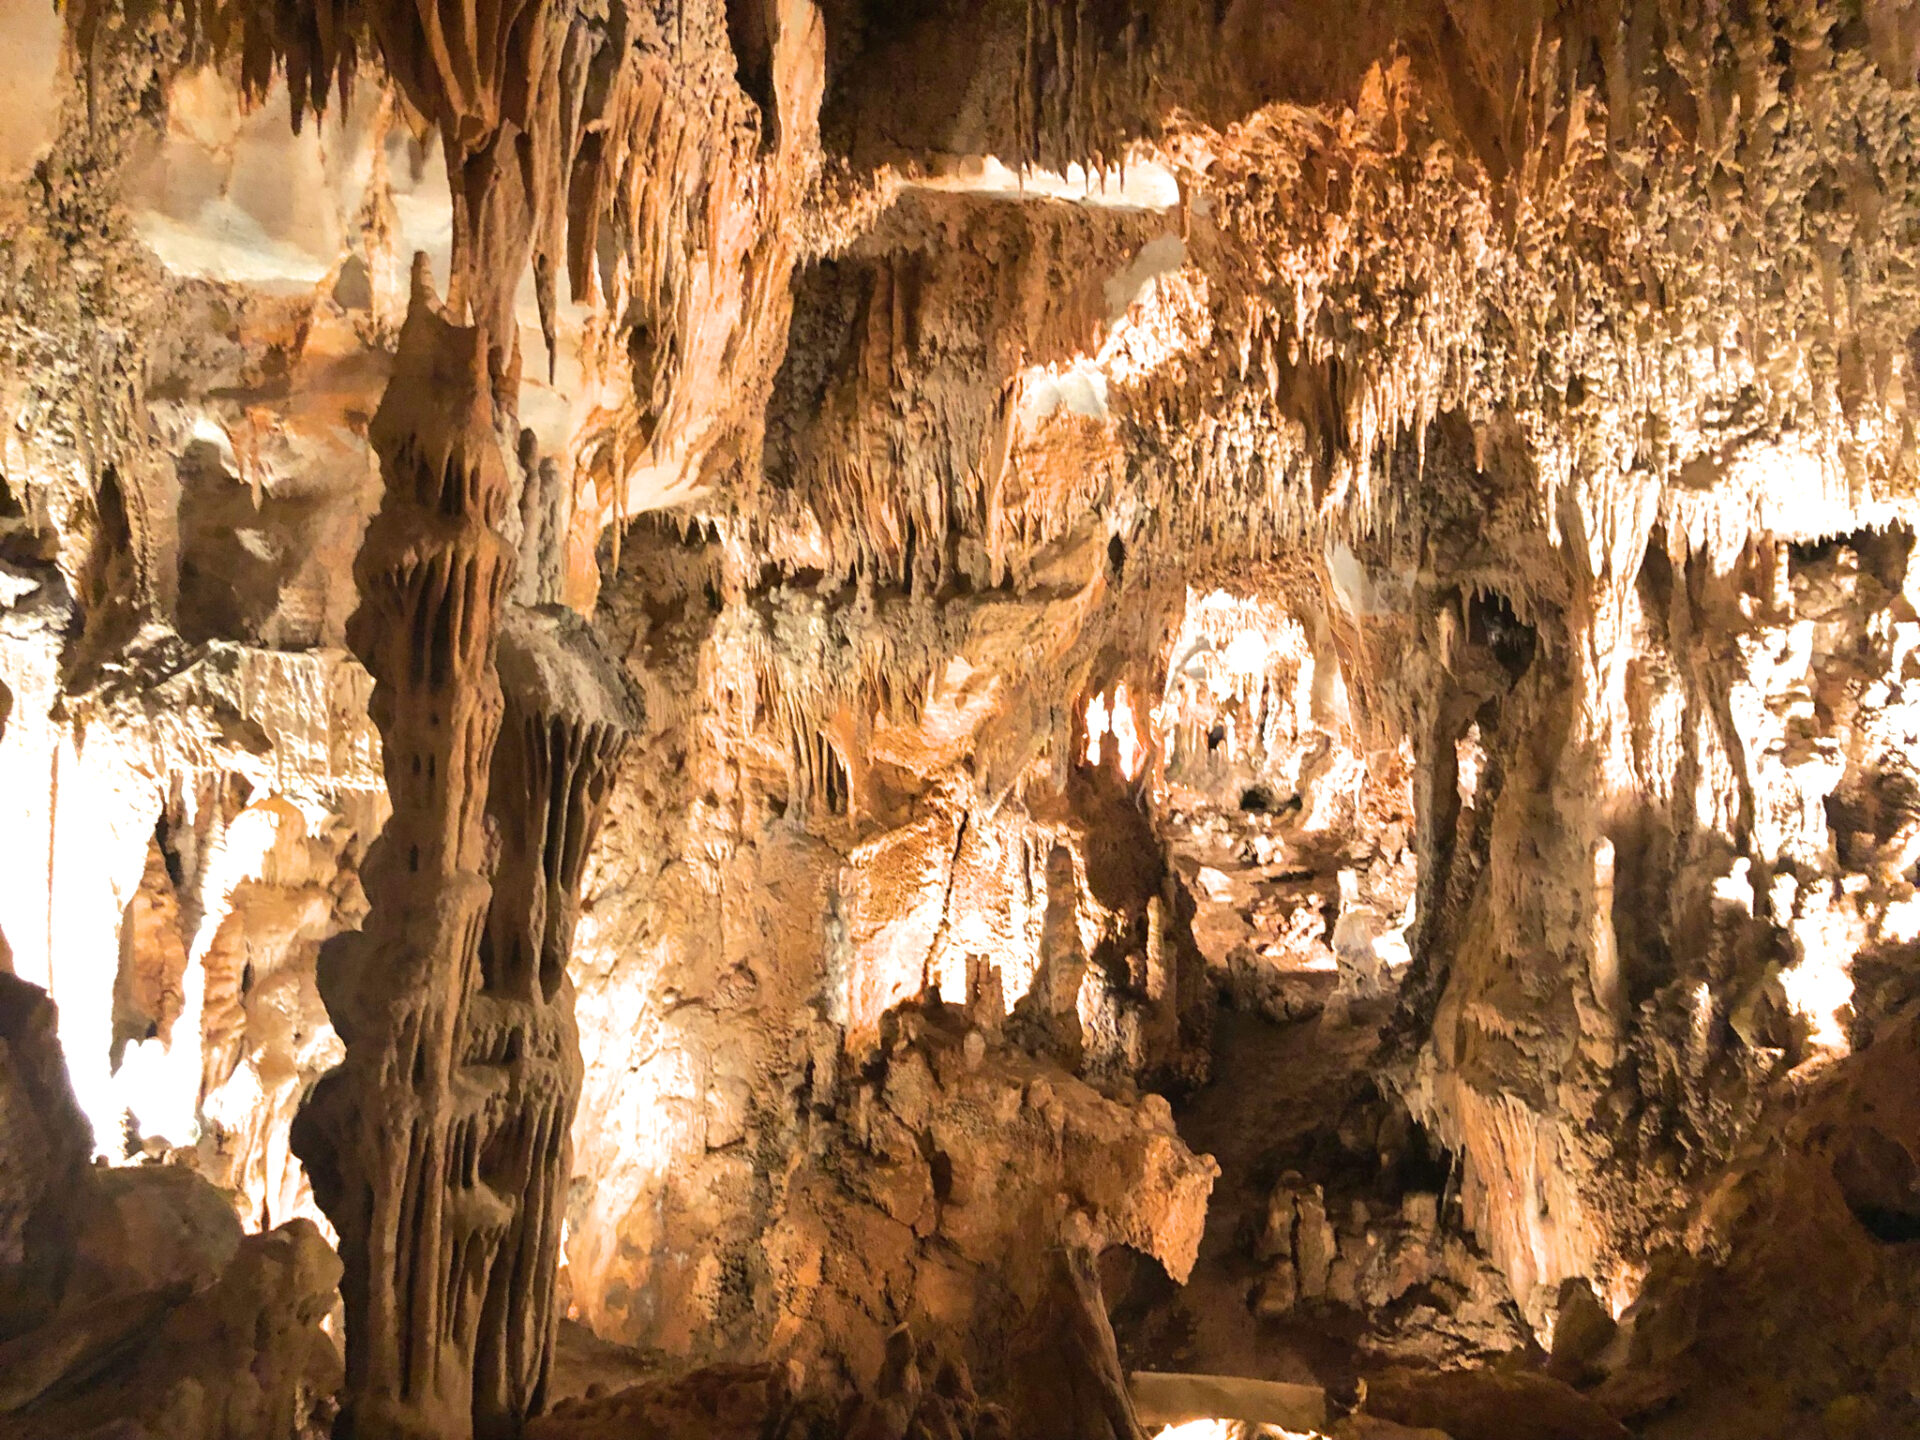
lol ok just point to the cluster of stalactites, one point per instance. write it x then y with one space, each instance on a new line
1648 236
504 83
565 766
1635 305
556 119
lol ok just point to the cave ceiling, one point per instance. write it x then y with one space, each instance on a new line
896 718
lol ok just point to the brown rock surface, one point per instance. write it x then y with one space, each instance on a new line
1490 1404
132 1299
1337 595
44 1148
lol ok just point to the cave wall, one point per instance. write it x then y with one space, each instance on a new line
1533 388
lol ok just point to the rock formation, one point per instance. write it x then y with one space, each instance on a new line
439 1147
132 1299
1009 695
395 1137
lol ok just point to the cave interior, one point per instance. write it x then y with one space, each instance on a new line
959 720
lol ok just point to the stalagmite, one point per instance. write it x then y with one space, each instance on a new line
1010 696
439 1147
567 720
396 1137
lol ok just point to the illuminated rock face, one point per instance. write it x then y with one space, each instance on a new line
1125 518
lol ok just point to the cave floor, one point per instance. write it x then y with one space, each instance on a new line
1274 1086
1280 1096
584 1364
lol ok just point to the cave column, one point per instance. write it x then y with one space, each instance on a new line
440 1146
392 1136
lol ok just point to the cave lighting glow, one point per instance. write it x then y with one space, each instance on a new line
1127 740
1817 989
1119 720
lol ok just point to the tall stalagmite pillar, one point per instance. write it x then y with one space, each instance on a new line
439 1146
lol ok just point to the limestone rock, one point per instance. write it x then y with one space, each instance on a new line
1358 1426
242 1359
44 1147
1126 517
1488 1403
147 1228
1582 1330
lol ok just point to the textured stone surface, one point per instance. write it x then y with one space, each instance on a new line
1110 507
45 1145
133 1302
242 1357
439 1146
